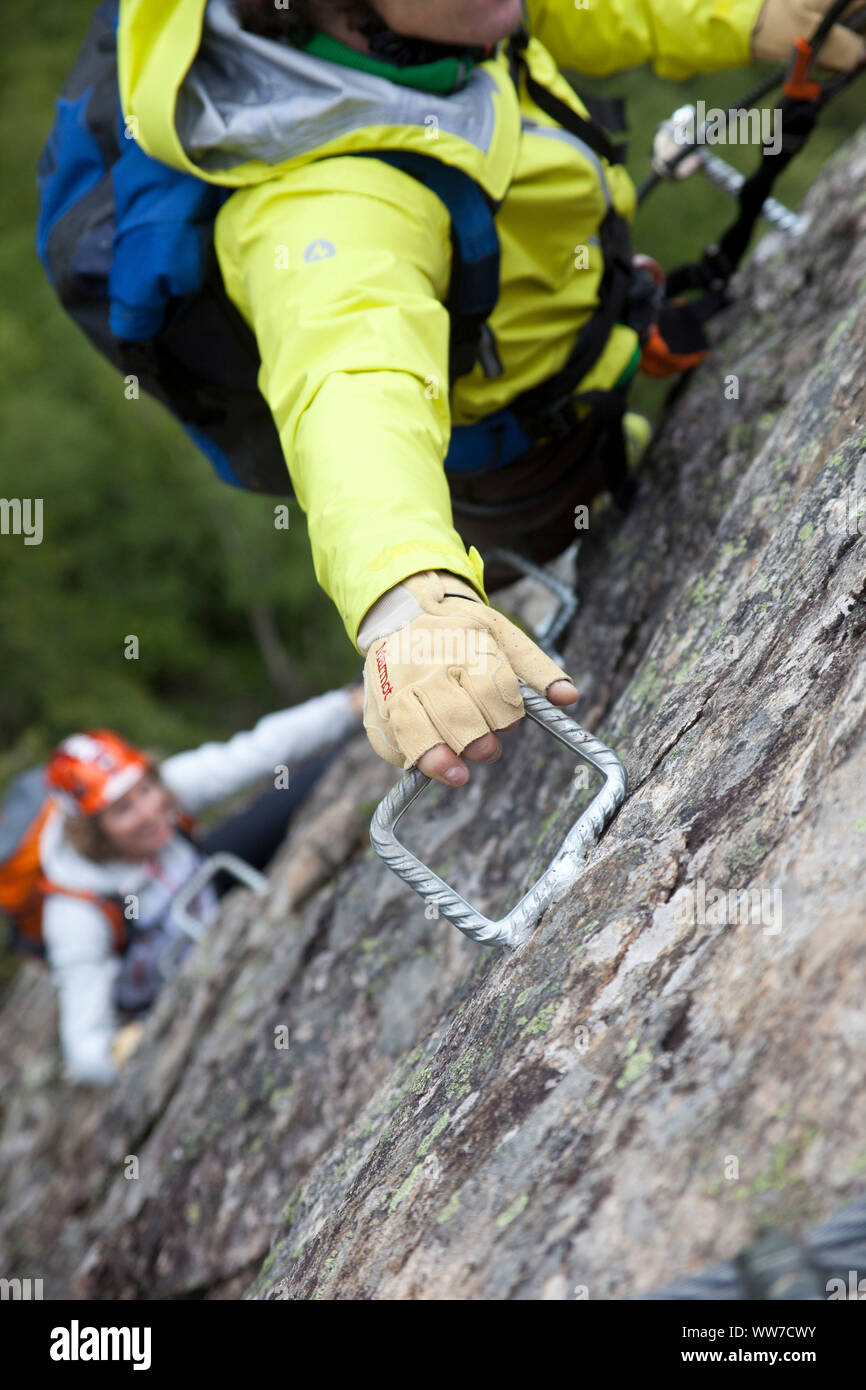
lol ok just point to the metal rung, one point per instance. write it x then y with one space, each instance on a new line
223 862
557 625
563 870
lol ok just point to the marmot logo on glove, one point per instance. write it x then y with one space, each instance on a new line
382 668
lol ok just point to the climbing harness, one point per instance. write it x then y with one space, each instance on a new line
190 927
667 149
803 100
563 870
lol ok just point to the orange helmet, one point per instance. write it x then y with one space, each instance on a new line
90 771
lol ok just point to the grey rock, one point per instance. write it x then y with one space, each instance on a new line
674 1057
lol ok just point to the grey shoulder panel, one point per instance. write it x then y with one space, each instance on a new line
247 97
21 806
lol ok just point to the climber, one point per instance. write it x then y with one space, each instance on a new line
103 854
414 422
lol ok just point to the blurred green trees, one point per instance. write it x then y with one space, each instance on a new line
140 538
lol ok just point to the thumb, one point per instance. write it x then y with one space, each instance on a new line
562 692
843 51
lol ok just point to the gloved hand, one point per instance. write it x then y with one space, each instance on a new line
444 675
780 22
126 1040
676 341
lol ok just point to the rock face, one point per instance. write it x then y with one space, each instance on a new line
676 1053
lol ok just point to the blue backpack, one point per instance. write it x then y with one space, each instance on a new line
127 243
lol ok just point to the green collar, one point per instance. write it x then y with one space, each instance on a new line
445 75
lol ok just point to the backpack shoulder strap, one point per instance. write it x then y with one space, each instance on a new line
589 131
109 905
476 255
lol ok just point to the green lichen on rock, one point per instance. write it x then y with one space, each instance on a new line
547 824
742 860
420 1079
281 1099
451 1208
405 1187
328 1271
699 595
459 1074
779 1175
287 1215
649 686
511 1213
635 1067
541 1022
430 1138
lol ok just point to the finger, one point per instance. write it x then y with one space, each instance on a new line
562 693
438 762
843 50
483 750
443 766
438 712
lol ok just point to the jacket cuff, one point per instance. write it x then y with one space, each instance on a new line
468 566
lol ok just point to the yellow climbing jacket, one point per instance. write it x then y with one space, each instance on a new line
341 265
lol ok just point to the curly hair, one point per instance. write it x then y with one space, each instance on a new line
86 835
298 19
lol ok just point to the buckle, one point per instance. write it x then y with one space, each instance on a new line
559 418
797 86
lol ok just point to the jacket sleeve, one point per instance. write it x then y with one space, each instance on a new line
78 949
341 269
679 37
215 770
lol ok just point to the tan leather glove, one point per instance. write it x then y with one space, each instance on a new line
126 1040
780 22
449 675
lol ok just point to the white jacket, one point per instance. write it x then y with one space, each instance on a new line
77 934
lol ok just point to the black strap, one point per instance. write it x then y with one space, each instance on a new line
609 406
609 112
475 262
799 118
798 122
548 409
778 1267
718 263
586 130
